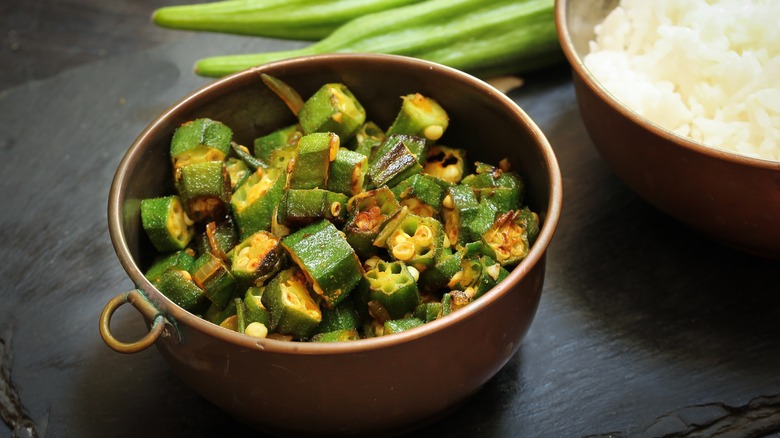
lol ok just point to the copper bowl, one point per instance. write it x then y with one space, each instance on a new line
388 384
728 197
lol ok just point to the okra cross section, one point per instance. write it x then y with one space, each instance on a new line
310 167
326 258
292 311
393 286
166 223
332 108
199 141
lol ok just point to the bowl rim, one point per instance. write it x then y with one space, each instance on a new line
181 316
605 95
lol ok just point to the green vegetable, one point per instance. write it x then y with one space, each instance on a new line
399 325
204 189
292 310
348 172
293 19
393 286
448 164
184 260
397 158
332 108
166 223
480 37
421 193
310 167
420 116
269 148
199 141
509 239
323 254
257 258
303 207
177 285
368 212
255 311
416 240
212 275
254 201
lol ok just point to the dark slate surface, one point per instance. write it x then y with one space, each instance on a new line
644 329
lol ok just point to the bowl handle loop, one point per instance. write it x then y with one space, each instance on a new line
146 308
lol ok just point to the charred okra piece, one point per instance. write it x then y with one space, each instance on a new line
333 108
183 260
324 255
302 207
509 239
477 276
218 238
465 218
292 311
368 212
416 241
177 285
200 141
452 301
278 147
421 193
420 116
396 159
310 167
254 201
348 172
205 189
257 258
393 286
213 276
166 223
448 164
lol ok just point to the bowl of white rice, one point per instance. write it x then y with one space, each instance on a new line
682 100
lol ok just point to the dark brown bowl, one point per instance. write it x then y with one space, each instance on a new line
388 384
728 197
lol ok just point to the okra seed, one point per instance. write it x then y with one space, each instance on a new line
413 272
335 209
433 132
493 271
256 329
448 202
404 251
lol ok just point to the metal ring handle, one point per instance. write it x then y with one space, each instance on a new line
137 300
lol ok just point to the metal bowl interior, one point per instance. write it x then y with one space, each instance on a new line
725 196
392 383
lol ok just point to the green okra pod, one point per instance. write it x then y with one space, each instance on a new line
332 108
397 158
509 238
393 286
292 310
479 37
254 202
199 141
400 325
329 262
336 336
421 193
416 241
177 285
348 172
212 275
367 214
183 260
302 207
204 189
310 167
286 19
420 116
272 148
166 223
257 258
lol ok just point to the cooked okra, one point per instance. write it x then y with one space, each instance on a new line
333 228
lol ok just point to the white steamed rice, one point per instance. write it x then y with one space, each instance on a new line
706 69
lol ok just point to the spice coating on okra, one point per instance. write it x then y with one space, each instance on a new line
333 229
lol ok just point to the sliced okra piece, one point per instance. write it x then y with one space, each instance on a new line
282 138
326 258
416 241
460 210
507 240
177 285
332 108
477 276
343 316
212 275
446 266
166 223
367 138
336 336
421 193
400 325
310 167
302 207
393 286
257 258
217 315
428 311
218 238
367 214
394 160
242 153
348 172
254 201
183 260
453 300
487 178
530 220
240 314
291 308
446 163
420 116
237 170
205 189
200 141
255 310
